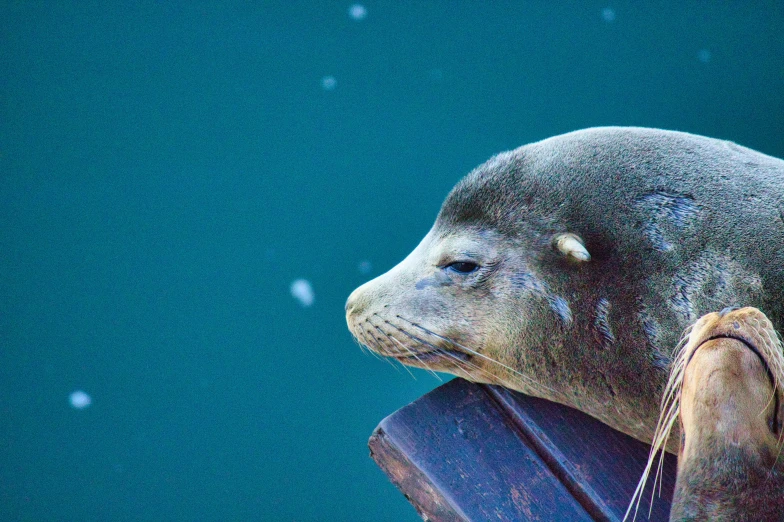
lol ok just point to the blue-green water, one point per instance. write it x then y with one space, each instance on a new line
168 169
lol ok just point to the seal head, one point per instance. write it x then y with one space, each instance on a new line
726 391
732 407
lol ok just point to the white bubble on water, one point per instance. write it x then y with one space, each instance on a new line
328 83
302 291
79 400
704 55
365 267
608 14
357 12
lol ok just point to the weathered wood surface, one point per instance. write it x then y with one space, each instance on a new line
474 452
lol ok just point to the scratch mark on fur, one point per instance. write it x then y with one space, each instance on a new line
559 305
607 384
530 282
653 334
665 214
601 323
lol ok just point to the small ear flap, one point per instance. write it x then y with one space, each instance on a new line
571 245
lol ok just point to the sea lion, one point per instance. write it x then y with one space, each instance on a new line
726 388
568 268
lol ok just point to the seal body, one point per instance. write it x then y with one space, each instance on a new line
569 268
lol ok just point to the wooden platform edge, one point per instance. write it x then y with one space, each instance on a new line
410 480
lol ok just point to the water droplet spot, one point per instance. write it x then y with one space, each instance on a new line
79 400
357 12
365 267
328 83
302 291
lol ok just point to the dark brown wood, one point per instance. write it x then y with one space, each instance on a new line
474 452
429 502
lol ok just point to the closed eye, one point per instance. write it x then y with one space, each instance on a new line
462 267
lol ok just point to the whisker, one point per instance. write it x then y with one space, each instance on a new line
366 350
388 337
422 341
777 367
385 359
774 358
405 350
534 384
669 414
415 356
459 362
373 348
772 361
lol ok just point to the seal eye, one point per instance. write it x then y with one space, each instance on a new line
462 267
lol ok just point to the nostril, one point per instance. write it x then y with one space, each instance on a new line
728 310
354 304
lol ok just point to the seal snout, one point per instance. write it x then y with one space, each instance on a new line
354 303
731 384
359 306
731 420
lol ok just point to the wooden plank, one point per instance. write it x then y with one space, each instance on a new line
455 458
475 452
594 461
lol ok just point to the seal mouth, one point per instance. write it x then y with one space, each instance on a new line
752 329
432 356
749 345
424 349
774 423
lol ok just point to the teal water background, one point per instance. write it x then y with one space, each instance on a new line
168 169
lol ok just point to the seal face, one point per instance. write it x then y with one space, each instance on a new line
568 268
726 389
